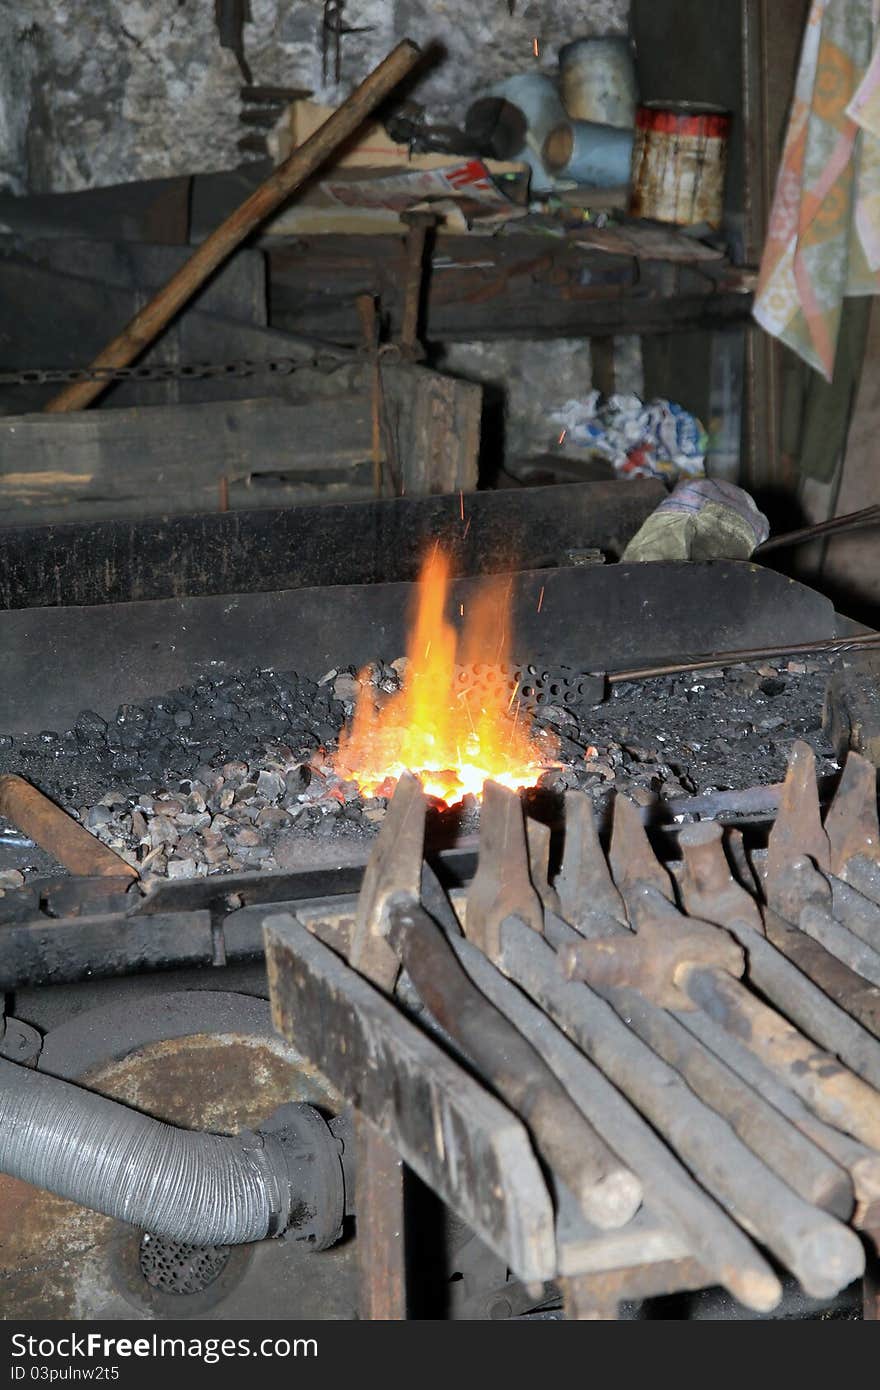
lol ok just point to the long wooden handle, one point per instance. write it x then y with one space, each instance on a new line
149 322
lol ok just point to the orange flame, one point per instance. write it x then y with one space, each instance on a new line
452 739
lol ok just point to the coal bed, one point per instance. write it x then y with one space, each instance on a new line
236 774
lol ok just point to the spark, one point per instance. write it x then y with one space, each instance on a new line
467 527
561 439
427 650
541 598
512 697
461 609
461 502
535 48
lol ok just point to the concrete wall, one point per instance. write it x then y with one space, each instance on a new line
102 91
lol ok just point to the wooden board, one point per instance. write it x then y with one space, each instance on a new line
462 1142
170 459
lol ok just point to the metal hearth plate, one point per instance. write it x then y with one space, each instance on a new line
59 661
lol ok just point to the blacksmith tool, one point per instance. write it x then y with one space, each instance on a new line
799 884
756 1131
394 930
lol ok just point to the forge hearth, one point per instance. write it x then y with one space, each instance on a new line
234 768
237 774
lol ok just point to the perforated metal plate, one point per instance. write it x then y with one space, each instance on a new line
172 1267
534 687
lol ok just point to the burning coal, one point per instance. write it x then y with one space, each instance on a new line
453 739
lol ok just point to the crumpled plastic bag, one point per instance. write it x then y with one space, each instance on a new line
657 439
701 519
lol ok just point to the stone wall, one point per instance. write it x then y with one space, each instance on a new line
101 91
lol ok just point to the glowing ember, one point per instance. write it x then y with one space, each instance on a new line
452 739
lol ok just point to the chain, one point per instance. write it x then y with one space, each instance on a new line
203 371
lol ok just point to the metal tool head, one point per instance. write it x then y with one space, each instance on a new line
708 887
501 886
798 827
632 859
851 823
584 882
652 960
538 839
393 873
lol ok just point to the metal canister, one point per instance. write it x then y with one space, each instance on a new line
536 97
595 156
679 163
597 80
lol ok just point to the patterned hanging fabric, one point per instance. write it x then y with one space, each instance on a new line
823 241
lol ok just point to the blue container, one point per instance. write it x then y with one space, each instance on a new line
596 156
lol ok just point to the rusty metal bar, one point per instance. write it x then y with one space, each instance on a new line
57 833
381 1233
862 1163
847 989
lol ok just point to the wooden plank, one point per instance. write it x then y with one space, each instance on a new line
159 460
381 1235
516 286
435 421
237 291
461 1141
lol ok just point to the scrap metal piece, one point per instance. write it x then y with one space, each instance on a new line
584 883
657 958
394 871
56 832
501 887
538 838
632 859
798 828
709 889
851 823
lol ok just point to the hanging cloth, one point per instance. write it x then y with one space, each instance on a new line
823 242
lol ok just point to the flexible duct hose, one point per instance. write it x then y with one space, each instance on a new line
203 1189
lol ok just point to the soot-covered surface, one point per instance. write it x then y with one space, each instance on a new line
236 773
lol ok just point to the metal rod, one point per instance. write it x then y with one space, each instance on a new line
732 658
836 1094
149 322
850 521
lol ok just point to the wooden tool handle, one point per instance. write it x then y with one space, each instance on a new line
149 322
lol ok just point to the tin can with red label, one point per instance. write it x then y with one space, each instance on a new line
679 163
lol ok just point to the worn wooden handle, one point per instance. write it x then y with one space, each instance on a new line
149 322
55 831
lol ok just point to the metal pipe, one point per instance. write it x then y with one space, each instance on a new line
197 1188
